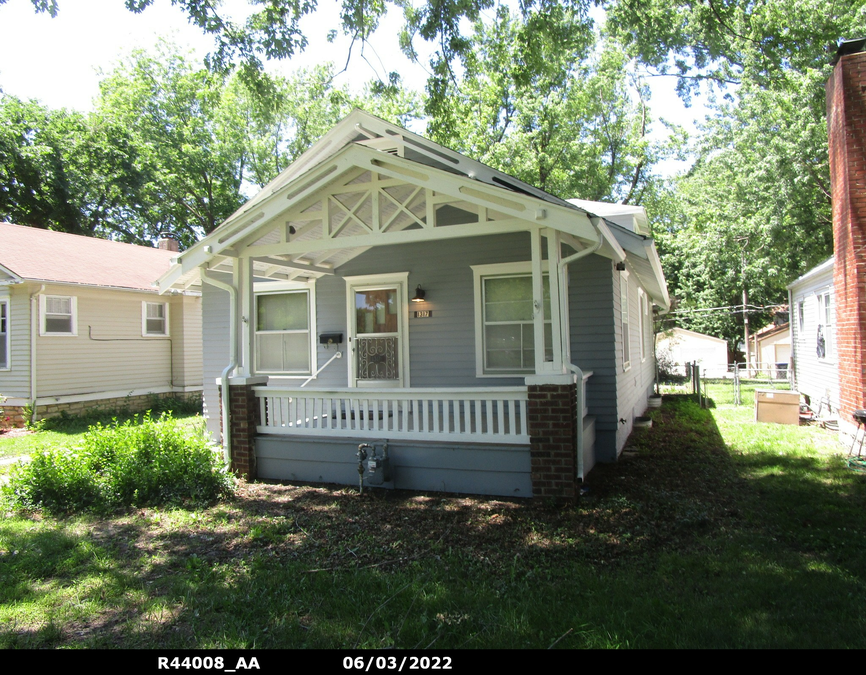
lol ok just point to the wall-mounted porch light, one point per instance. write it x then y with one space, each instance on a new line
419 294
620 266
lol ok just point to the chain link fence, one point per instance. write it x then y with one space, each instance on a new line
733 384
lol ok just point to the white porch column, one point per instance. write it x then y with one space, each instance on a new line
538 300
557 318
243 279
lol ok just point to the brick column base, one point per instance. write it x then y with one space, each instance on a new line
552 415
243 420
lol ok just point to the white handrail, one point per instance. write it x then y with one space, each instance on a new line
338 355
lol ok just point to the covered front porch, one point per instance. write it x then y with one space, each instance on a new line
479 440
327 351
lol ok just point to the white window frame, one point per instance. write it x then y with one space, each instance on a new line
43 332
642 322
281 288
801 319
144 331
625 323
480 272
6 353
825 305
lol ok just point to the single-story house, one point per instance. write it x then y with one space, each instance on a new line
772 350
81 325
676 347
812 299
388 291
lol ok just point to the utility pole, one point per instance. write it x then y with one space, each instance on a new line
745 242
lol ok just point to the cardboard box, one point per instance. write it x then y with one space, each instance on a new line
781 407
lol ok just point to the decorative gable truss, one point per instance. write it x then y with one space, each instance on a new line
365 197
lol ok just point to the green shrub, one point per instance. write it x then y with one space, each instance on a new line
142 462
66 423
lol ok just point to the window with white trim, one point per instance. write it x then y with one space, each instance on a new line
642 322
154 319
4 334
505 326
624 317
283 343
59 315
825 339
801 319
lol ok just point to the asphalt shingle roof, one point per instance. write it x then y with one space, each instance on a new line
44 255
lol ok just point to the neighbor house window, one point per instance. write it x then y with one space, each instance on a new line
4 334
154 319
283 335
825 341
801 320
59 315
626 334
505 336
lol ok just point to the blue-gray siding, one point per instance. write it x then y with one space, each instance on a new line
442 347
593 343
441 467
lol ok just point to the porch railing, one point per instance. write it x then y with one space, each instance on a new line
479 414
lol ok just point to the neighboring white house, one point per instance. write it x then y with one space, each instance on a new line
385 289
678 346
813 335
772 350
81 325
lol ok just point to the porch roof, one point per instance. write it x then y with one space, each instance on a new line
369 183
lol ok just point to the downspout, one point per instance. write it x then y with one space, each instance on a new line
233 359
579 404
34 328
573 368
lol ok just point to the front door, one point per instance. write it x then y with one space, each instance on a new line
377 334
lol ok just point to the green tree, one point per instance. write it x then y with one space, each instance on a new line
574 123
185 129
732 41
754 212
170 147
67 171
299 110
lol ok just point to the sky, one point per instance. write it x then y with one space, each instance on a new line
58 60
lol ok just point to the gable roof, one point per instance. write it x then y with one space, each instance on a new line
366 145
33 254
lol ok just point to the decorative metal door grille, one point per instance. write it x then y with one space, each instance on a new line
378 358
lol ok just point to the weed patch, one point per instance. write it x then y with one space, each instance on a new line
144 462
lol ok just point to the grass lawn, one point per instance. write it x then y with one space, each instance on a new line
714 532
65 433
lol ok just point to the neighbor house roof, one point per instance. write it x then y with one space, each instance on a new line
34 254
825 266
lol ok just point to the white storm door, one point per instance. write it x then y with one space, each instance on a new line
377 319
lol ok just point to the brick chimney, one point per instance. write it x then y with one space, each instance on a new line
846 127
167 242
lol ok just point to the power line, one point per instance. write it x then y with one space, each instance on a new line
730 309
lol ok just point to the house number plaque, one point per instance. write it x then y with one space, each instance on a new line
424 314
